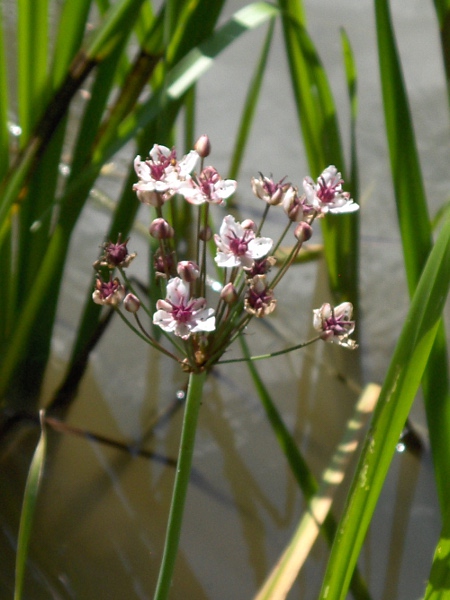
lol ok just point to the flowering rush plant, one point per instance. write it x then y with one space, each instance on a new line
199 315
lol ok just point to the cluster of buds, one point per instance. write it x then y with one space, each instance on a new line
244 257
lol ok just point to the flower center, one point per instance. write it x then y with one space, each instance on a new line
182 314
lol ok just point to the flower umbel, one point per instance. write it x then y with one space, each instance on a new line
335 324
181 314
246 286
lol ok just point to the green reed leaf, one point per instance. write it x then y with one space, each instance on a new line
319 125
28 509
250 105
438 587
33 42
399 389
416 232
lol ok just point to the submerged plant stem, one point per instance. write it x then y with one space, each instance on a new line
193 401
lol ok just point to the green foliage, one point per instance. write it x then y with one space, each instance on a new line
28 508
43 207
399 389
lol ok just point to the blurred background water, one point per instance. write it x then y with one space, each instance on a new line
102 512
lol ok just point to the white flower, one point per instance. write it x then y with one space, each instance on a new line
161 174
181 314
335 324
210 187
237 246
327 195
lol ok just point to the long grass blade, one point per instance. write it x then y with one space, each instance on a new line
416 232
399 389
287 568
250 105
439 584
28 509
4 134
71 30
33 42
443 13
317 116
302 473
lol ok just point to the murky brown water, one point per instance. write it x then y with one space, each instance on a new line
102 512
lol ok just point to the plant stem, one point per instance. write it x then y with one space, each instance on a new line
193 401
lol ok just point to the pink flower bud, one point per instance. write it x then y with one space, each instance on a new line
203 146
303 232
229 293
160 229
188 270
132 303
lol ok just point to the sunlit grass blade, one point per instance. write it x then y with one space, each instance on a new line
302 473
4 134
28 509
399 389
439 584
117 24
351 76
318 120
443 13
33 43
287 568
416 232
71 30
251 102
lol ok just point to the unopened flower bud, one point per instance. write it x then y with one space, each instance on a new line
203 146
188 270
293 205
229 293
160 229
303 232
132 303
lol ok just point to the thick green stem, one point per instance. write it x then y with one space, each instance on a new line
193 401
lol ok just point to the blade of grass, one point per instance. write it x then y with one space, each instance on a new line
117 24
351 77
4 134
443 13
416 232
71 28
402 381
438 587
302 473
317 116
285 572
28 508
251 102
32 63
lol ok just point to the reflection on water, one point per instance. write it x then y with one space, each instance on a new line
102 511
